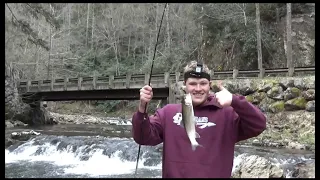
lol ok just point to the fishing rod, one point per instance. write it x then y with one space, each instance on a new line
145 108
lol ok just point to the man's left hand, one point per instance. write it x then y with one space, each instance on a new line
224 97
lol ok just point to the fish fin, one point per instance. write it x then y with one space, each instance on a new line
181 124
203 126
197 135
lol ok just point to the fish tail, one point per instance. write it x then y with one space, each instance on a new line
195 145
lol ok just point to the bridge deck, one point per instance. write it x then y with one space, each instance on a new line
124 86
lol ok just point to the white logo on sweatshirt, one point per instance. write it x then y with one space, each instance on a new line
201 121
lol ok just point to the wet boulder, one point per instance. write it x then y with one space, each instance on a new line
12 123
24 135
17 137
254 166
9 124
304 170
295 145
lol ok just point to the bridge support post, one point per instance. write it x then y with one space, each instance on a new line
111 78
261 73
171 98
174 92
290 71
235 73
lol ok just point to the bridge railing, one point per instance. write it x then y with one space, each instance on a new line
159 80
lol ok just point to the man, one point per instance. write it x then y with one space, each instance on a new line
223 119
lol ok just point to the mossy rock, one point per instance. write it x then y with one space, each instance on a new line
295 90
273 81
286 83
232 87
298 103
307 138
264 87
276 92
309 82
277 106
257 97
214 86
265 103
291 92
249 98
309 94
305 83
246 87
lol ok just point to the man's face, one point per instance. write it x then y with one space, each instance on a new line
199 89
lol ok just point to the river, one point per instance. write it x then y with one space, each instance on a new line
83 151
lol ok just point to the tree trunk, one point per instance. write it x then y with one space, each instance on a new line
149 46
277 15
69 26
87 29
143 39
258 37
50 50
168 30
92 27
289 43
37 62
244 14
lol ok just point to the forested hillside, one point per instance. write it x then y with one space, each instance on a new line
65 39
77 39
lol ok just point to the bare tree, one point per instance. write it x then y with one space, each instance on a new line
87 29
168 29
259 49
289 43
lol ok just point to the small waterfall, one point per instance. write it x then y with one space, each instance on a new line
97 156
86 155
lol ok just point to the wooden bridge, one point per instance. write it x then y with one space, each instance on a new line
125 87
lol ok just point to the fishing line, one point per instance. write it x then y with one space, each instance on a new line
145 108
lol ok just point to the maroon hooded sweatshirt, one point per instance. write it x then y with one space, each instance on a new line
219 129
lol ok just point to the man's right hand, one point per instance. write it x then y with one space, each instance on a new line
146 95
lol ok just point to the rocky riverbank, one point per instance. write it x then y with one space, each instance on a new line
294 130
255 166
275 94
16 111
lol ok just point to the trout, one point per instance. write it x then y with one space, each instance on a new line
188 120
